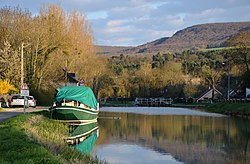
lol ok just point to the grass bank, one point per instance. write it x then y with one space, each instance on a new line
233 108
34 138
241 110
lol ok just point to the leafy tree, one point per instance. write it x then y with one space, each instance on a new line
144 74
51 39
190 89
171 74
241 56
212 75
159 59
10 64
241 53
6 87
105 86
14 29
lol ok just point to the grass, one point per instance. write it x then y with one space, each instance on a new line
216 49
195 104
235 109
219 48
228 107
34 138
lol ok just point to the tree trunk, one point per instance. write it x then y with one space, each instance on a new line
213 89
246 61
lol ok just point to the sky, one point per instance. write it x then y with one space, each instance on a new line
136 22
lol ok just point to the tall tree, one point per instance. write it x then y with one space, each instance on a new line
145 75
241 53
51 39
212 74
10 64
14 31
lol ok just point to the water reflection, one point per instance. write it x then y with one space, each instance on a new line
125 153
87 145
160 111
83 136
189 139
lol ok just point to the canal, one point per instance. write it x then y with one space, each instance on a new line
170 135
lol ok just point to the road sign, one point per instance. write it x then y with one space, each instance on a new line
25 90
81 83
24 87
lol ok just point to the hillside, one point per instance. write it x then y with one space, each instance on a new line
242 38
111 50
194 37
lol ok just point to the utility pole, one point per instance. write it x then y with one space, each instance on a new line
22 69
22 64
228 83
66 73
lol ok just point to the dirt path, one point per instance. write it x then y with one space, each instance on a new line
10 112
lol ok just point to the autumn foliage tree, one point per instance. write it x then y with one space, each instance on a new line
52 40
6 87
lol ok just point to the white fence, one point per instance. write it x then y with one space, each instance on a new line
153 101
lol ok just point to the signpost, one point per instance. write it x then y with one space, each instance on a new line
25 92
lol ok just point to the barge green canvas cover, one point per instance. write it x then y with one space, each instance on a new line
82 94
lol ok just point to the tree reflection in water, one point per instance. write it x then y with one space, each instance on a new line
190 139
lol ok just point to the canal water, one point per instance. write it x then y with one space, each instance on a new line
133 135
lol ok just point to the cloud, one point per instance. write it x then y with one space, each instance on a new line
97 15
113 23
207 15
120 152
163 20
134 22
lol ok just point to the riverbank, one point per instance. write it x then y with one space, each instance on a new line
233 109
34 138
228 108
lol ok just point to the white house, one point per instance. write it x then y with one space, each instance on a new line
208 95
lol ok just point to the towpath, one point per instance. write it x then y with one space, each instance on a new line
10 112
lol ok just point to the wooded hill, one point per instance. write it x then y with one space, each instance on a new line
211 35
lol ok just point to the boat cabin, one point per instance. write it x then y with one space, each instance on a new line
73 103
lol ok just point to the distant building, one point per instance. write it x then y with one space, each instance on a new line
71 79
239 91
247 92
208 95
